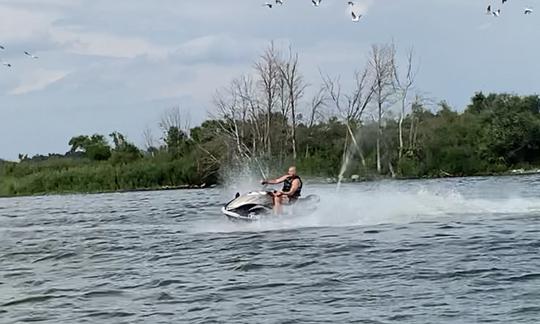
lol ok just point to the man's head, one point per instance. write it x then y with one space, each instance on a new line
292 171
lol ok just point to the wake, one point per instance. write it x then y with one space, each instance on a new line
390 203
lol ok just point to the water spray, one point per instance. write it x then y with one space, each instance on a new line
348 154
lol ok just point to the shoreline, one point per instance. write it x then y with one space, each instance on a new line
167 188
319 180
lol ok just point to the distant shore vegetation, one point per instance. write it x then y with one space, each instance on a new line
379 125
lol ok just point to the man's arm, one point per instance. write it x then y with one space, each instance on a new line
275 181
294 187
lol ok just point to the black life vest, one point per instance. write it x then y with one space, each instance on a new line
287 185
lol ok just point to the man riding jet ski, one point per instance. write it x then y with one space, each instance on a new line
289 194
255 204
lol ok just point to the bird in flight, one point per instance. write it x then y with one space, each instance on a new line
279 2
268 4
6 64
30 55
316 3
2 47
355 17
528 11
497 13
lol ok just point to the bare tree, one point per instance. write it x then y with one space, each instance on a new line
268 74
351 106
175 117
295 86
238 114
417 104
244 89
284 106
403 84
318 101
381 62
149 140
229 116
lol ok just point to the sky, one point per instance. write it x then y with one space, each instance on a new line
118 65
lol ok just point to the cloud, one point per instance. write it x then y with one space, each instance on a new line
19 24
34 26
106 44
218 49
40 3
38 80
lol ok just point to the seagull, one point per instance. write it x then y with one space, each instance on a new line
268 4
355 18
2 47
497 13
528 11
316 3
488 9
503 1
350 3
30 55
279 2
6 64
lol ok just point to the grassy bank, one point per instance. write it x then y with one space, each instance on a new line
84 176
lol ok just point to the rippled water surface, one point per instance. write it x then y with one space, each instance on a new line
442 251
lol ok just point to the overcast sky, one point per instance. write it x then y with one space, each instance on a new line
107 65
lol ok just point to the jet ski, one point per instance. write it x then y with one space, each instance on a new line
256 205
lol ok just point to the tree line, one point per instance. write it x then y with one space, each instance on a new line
376 124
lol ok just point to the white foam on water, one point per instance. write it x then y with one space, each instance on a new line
358 205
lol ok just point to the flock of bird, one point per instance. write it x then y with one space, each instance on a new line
496 13
355 17
7 64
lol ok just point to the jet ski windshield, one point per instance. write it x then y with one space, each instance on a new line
251 198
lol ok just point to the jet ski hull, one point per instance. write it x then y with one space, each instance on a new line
235 217
254 206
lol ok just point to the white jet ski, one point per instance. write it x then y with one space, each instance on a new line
255 205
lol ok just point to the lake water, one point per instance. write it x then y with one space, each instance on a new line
438 251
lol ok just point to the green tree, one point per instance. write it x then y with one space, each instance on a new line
176 141
95 147
123 151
